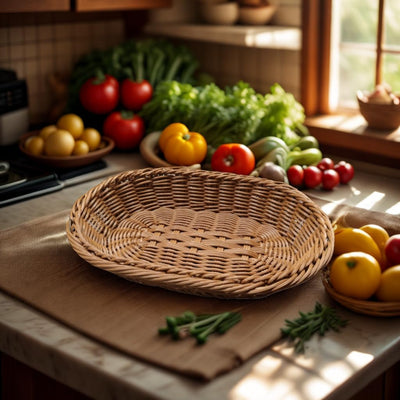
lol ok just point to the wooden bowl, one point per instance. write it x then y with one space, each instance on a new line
106 145
149 150
379 116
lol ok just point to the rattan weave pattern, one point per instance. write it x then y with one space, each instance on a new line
201 232
367 307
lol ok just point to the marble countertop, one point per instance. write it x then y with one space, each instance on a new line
330 368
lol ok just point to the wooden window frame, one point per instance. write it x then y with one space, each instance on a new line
339 133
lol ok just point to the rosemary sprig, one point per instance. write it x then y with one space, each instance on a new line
199 326
320 320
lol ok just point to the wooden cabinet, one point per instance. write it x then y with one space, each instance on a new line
106 5
35 6
18 381
81 5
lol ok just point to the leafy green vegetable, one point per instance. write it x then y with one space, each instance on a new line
320 320
237 114
285 116
199 326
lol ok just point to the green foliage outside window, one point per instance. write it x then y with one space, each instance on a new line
357 52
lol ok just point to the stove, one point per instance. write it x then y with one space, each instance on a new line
21 179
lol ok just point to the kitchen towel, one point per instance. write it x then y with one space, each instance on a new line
40 268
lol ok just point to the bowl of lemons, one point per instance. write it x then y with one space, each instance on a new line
66 144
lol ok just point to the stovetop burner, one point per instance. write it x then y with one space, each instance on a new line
20 179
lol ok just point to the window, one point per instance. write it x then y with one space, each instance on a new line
353 45
365 39
345 49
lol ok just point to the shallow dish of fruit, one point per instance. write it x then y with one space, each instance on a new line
371 306
364 273
105 146
66 144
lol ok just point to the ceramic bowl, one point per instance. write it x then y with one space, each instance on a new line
379 116
256 15
220 14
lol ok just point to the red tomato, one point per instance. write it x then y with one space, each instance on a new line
233 157
100 95
392 250
326 163
135 95
345 171
312 176
125 128
295 174
330 179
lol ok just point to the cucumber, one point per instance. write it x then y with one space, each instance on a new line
305 157
263 146
306 142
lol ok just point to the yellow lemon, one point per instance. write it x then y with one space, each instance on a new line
92 137
47 131
34 145
379 234
80 148
389 289
59 144
354 239
72 123
355 274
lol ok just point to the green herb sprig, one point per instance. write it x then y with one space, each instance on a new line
199 326
320 320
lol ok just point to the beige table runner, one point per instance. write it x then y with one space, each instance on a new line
39 267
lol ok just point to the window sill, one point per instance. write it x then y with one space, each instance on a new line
348 135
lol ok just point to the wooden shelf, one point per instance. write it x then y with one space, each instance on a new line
268 36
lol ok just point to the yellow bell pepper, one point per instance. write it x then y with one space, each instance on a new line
171 130
182 147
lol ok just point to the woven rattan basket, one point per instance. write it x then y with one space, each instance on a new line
201 232
367 307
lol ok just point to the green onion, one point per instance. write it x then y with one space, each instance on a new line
199 326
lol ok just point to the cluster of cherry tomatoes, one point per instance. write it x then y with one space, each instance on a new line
326 174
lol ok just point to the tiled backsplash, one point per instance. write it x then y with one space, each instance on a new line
39 46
